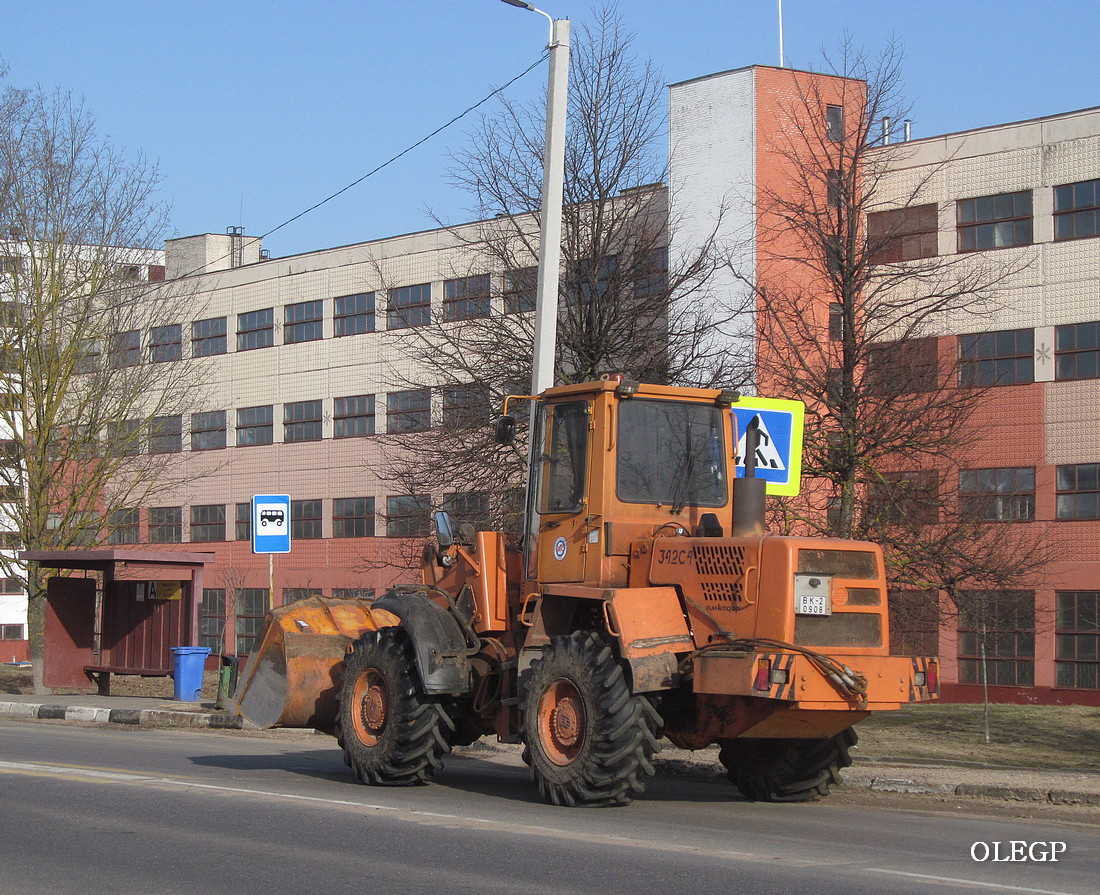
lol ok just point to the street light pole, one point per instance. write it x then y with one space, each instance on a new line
553 187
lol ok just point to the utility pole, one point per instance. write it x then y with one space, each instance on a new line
553 188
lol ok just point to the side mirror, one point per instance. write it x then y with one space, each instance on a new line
443 529
506 429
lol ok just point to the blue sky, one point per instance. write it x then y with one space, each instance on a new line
255 110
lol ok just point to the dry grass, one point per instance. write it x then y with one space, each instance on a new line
1026 736
18 681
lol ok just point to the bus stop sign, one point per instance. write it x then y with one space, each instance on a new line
271 523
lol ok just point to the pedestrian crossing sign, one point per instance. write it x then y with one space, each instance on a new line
779 425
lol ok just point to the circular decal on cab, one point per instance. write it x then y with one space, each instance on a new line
559 548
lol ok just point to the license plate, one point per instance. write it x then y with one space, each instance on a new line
812 595
812 604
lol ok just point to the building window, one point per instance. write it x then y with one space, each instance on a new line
410 306
998 495
208 337
302 421
465 407
591 280
909 498
253 604
407 517
994 222
165 525
88 352
256 329
836 321
12 632
165 343
520 290
914 623
466 298
903 234
353 517
255 425
124 438
902 368
353 593
303 322
354 314
124 527
409 411
834 188
1077 351
11 586
997 358
208 523
212 618
125 349
1077 210
208 430
353 416
468 506
1077 639
294 594
651 279
165 434
834 123
243 519
999 626
1078 495
305 520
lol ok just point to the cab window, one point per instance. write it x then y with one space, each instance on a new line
566 458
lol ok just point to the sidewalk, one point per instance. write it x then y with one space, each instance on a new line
1065 788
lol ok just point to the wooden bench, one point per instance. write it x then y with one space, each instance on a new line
101 674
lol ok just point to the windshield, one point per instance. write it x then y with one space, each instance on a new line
671 453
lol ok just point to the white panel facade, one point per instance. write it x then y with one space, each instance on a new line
712 181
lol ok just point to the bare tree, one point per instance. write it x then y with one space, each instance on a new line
617 284
851 290
92 410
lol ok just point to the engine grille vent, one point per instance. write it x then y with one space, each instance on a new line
720 569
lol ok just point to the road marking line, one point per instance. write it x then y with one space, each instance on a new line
968 882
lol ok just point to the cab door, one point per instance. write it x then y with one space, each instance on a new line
562 497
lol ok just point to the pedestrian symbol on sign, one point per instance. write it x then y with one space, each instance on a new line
767 455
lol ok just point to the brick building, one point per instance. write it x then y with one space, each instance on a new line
306 371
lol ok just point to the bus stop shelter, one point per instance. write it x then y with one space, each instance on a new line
117 611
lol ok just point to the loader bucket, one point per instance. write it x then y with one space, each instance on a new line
292 678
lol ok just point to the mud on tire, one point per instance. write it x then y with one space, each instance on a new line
391 733
589 741
786 770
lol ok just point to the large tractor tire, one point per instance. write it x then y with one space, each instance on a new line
391 733
589 740
781 770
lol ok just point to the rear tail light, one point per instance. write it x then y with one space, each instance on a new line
763 675
928 678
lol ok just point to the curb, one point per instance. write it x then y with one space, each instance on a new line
142 717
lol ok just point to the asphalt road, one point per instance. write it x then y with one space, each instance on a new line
116 810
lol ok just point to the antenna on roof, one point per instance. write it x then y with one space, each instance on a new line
781 60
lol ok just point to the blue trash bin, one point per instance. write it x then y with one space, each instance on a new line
187 671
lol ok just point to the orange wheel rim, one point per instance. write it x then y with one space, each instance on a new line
561 721
370 707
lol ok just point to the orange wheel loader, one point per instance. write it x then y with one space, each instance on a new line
646 601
